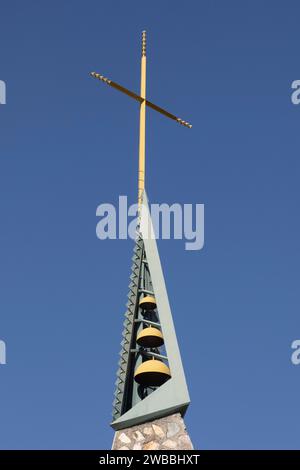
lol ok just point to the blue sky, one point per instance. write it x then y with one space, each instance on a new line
68 143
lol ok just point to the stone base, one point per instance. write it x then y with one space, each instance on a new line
167 433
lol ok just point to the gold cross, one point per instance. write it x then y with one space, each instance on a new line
143 103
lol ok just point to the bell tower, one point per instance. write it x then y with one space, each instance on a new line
151 395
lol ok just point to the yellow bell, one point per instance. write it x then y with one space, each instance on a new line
152 373
148 303
150 338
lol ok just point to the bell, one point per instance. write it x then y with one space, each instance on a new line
152 373
148 303
150 338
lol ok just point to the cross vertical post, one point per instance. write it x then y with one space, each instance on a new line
142 136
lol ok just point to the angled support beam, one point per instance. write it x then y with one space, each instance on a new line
145 291
148 353
148 322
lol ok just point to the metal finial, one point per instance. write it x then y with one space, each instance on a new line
143 43
100 77
184 123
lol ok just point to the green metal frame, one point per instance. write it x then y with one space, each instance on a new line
173 395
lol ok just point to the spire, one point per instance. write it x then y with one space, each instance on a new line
150 378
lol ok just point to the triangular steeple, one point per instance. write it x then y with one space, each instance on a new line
134 402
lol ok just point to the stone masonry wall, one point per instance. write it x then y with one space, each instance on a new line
167 433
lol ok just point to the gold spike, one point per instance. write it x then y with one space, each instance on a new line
143 43
184 123
100 77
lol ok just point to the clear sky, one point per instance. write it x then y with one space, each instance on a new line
68 143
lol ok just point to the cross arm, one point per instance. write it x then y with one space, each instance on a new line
169 115
117 86
140 99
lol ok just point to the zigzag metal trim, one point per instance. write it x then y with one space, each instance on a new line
128 328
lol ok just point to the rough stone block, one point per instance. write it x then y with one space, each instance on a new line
167 433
